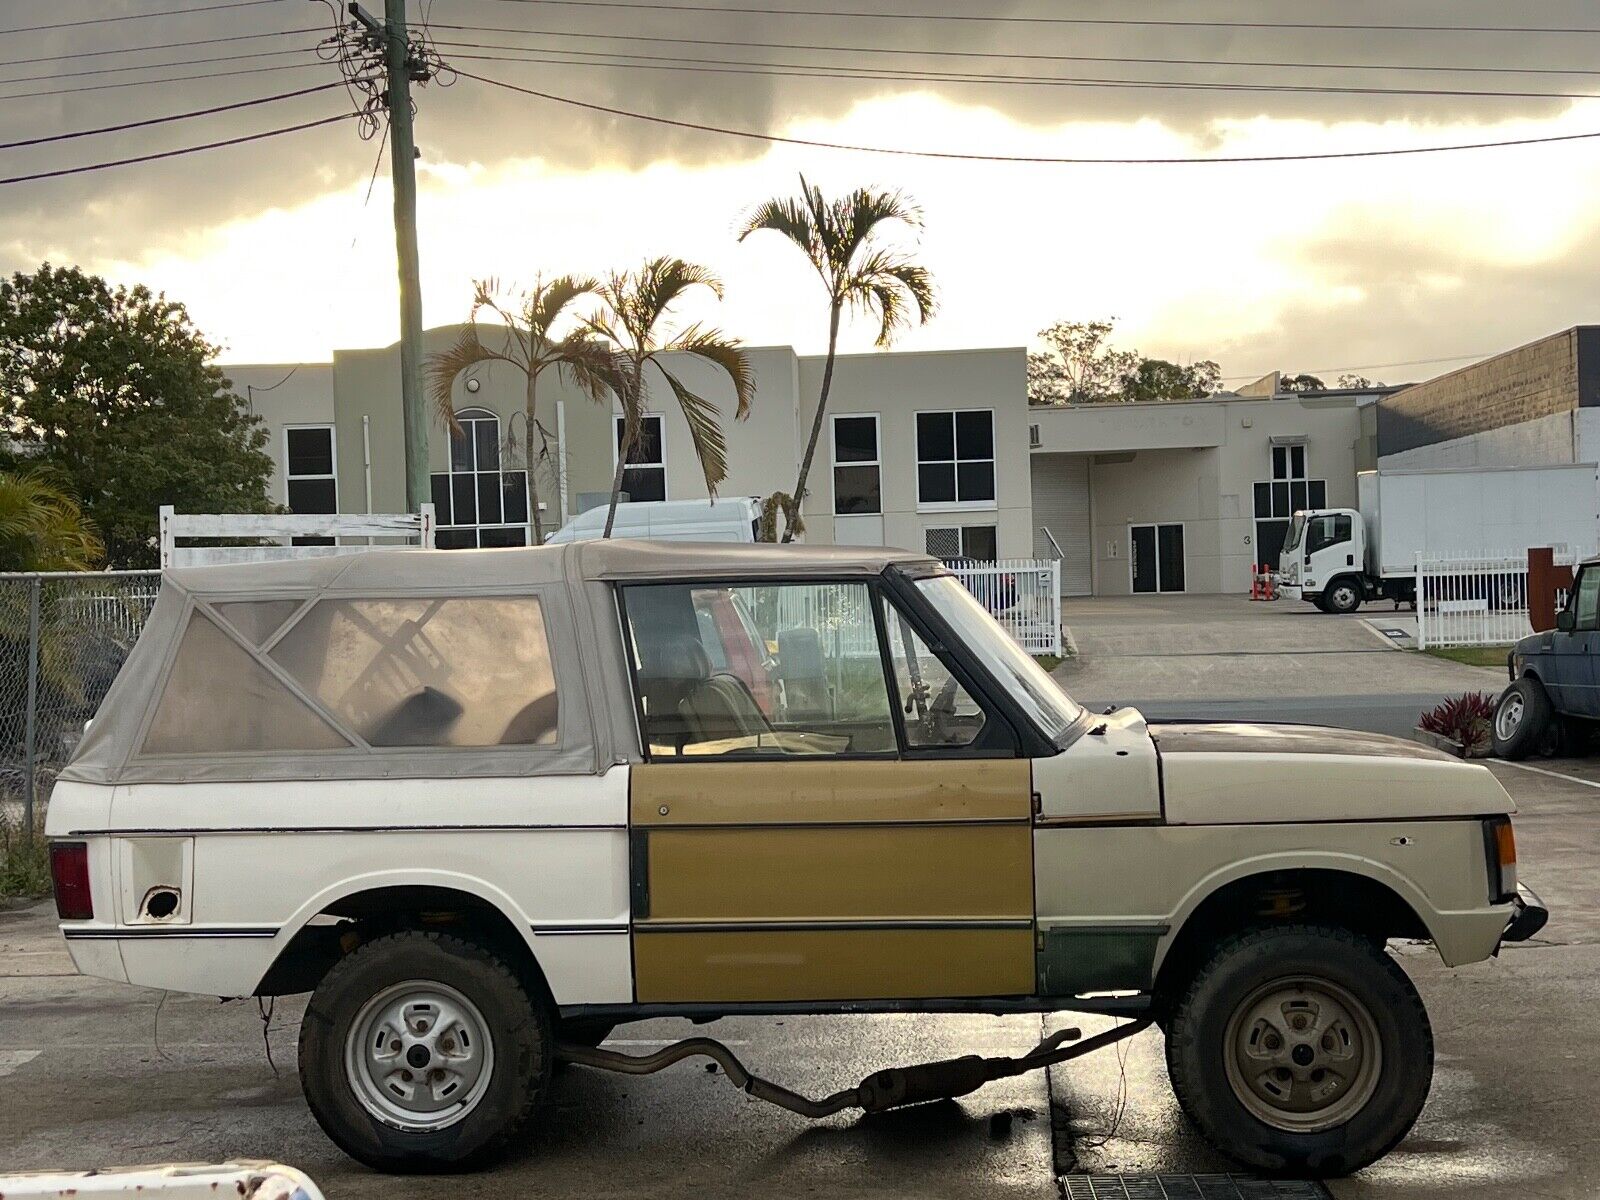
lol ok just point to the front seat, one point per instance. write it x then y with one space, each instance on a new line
721 706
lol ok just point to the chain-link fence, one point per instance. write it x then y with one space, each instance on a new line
62 640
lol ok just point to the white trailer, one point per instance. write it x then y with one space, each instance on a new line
1337 557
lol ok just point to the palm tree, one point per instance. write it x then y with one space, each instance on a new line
840 238
529 344
640 303
42 528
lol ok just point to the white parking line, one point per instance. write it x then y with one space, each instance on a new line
10 1060
1553 774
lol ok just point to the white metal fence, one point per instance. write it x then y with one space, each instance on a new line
1023 594
1475 601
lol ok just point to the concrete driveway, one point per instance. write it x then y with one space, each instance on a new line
1228 657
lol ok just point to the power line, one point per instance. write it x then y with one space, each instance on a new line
726 10
812 143
1410 362
232 37
183 116
140 16
182 62
1008 55
104 87
143 158
715 66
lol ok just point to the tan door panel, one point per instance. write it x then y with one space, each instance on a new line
831 791
832 880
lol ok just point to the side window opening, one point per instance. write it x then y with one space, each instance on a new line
429 672
219 699
769 669
936 709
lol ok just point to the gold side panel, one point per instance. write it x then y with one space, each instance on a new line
884 964
806 792
803 873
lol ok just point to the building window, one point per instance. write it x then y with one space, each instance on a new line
1279 498
955 459
974 542
645 477
476 502
857 474
310 485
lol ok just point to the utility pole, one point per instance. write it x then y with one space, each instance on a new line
401 68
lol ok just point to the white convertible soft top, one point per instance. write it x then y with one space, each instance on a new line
272 684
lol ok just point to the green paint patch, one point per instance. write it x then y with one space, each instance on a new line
1074 961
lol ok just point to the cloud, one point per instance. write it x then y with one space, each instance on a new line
163 206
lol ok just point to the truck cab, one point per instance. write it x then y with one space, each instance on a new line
1323 559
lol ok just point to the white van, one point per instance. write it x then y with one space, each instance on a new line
730 519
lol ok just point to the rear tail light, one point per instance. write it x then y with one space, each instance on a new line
69 871
1500 845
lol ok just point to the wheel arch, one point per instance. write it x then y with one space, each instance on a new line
1356 893
390 900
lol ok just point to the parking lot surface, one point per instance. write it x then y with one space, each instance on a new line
95 1074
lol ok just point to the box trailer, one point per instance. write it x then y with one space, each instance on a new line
1336 558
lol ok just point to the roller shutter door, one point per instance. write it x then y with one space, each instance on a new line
1061 505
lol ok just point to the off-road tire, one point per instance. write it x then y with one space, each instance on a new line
518 1026
1534 731
1342 596
1196 1050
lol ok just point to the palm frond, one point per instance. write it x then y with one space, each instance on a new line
42 528
726 352
661 283
705 430
889 285
442 368
548 301
591 364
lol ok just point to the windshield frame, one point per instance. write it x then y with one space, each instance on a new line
1297 531
983 642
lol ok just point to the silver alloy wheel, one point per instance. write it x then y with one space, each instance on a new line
1302 1054
419 1056
1508 717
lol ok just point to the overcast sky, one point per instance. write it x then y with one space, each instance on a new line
1344 265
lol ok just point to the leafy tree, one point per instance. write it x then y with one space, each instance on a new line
1357 381
640 304
41 527
115 394
1080 367
1158 379
529 343
1301 383
841 239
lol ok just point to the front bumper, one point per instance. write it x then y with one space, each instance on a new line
1528 915
1291 590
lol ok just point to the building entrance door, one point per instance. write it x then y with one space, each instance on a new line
1156 558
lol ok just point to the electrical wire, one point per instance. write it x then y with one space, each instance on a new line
722 66
1006 55
105 87
232 37
731 10
139 16
817 144
182 150
183 116
182 62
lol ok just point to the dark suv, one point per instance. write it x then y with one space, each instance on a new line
1555 676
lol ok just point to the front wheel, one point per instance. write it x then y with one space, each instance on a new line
421 1052
1302 1049
1342 596
1522 719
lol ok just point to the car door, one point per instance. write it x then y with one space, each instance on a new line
863 832
1574 651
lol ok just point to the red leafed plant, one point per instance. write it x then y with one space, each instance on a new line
1464 719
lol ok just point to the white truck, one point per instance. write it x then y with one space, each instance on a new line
1337 557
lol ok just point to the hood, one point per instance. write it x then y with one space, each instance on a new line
1239 737
1233 773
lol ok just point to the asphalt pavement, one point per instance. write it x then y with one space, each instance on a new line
95 1074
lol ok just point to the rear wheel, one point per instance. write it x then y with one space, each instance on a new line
421 1052
1301 1048
1522 719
